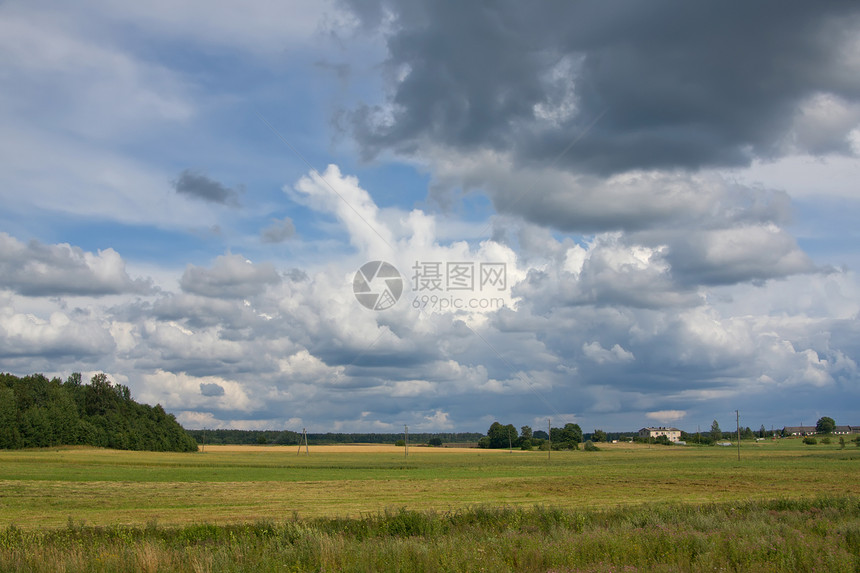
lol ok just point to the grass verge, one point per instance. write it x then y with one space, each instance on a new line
820 534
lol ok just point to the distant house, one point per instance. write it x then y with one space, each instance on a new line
810 430
674 434
798 431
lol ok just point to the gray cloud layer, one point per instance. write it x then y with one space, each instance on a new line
674 85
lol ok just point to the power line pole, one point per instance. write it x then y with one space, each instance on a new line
304 439
406 438
738 420
549 439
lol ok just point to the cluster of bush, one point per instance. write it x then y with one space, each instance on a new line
810 440
501 436
38 412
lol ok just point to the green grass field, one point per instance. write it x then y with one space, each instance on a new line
103 487
783 506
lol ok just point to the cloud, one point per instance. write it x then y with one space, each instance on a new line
264 28
178 390
602 330
597 353
279 231
211 389
201 187
76 81
34 269
231 276
667 416
631 201
662 83
60 336
746 253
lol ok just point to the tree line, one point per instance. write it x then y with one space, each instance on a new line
37 412
501 436
291 438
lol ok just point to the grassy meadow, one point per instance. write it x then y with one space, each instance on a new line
782 506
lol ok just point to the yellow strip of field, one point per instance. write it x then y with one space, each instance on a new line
342 448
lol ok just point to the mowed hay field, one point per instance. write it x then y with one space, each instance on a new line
245 484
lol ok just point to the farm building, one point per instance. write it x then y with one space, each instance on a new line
810 430
674 434
798 431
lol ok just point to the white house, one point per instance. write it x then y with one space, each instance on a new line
674 434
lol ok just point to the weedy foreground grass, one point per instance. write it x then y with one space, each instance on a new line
821 534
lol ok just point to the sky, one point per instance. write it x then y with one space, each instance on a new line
616 215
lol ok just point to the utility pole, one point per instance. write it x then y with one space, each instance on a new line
510 445
406 438
549 434
738 420
304 439
203 449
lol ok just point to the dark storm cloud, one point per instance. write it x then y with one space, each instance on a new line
675 85
202 187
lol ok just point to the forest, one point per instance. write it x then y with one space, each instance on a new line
39 412
290 438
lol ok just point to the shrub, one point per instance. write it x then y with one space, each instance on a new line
825 440
435 442
590 447
400 443
810 440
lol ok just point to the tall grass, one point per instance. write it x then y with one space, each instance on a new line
789 535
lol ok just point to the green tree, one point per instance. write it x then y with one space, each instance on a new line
435 442
825 425
501 436
716 433
526 433
10 437
37 412
762 432
566 438
598 436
